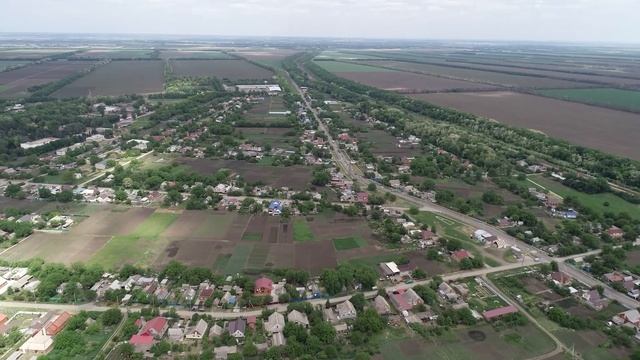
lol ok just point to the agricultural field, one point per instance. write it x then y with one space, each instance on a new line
611 131
116 54
269 57
613 98
194 54
15 83
284 138
481 342
118 78
398 80
468 191
30 54
480 76
221 69
605 202
384 144
295 177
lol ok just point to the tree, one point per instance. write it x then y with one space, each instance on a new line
418 274
368 322
65 196
249 349
331 281
44 193
321 177
324 331
121 195
414 210
491 197
111 317
372 187
13 191
358 301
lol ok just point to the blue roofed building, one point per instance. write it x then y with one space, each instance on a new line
275 207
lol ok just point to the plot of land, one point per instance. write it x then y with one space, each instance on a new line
614 98
349 243
269 57
611 131
4 65
30 54
480 76
222 69
16 82
193 54
384 144
294 177
116 54
118 78
301 230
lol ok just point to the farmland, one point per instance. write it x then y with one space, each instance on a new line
613 98
608 130
222 69
397 80
295 177
30 54
15 83
191 54
116 54
8 64
118 78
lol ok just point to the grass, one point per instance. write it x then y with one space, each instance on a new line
258 256
251 237
215 224
140 247
238 259
221 262
301 231
338 66
348 243
594 201
615 98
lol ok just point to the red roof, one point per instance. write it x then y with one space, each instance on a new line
362 197
54 327
615 231
461 254
399 300
264 285
427 234
206 293
155 326
490 314
141 340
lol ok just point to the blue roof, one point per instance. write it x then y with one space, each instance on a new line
275 204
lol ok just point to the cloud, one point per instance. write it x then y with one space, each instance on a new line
560 20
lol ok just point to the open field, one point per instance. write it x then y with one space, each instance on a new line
270 57
6 64
116 54
593 201
384 144
516 343
398 80
349 243
614 98
194 54
30 54
611 131
301 230
295 177
222 69
118 78
275 137
486 77
83 240
16 82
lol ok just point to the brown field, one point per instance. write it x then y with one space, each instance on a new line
410 82
15 83
118 78
222 69
295 177
194 54
384 144
611 131
480 76
82 240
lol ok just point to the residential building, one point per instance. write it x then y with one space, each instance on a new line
299 318
237 327
275 323
381 305
263 286
197 332
405 299
346 310
496 313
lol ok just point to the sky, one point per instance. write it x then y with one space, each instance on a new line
534 20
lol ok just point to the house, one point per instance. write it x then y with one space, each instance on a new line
274 323
155 327
58 324
263 286
594 300
251 321
175 334
362 197
460 255
427 235
277 339
346 310
216 330
141 343
330 316
614 277
484 236
275 207
405 299
446 292
495 313
628 317
389 269
299 318
237 327
197 332
560 278
221 352
39 343
381 305
615 232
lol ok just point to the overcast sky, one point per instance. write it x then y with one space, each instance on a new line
545 20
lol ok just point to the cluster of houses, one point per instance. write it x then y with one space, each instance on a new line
17 279
624 282
40 329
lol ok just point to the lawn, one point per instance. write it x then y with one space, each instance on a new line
348 243
615 98
238 259
338 66
301 231
594 201
139 247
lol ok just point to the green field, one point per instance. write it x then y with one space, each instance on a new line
593 201
236 263
301 231
140 247
258 256
337 66
347 243
615 98
251 237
